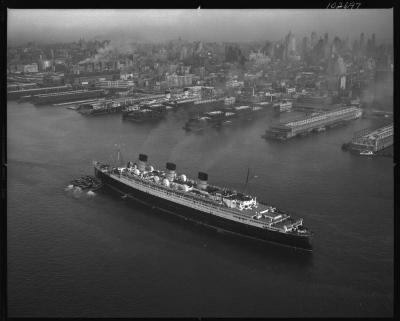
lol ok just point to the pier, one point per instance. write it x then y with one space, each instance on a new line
15 94
372 140
314 122
58 97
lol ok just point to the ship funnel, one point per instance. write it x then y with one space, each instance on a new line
142 162
202 183
168 94
171 167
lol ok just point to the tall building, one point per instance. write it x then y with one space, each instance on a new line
292 44
362 44
339 67
184 52
31 68
355 46
199 47
314 39
272 55
305 46
371 46
373 40
289 46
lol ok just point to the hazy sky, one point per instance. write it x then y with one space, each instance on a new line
207 25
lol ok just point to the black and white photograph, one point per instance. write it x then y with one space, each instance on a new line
200 163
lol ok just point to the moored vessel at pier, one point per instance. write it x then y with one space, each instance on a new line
222 117
141 113
100 108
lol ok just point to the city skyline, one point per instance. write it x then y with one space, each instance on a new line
154 25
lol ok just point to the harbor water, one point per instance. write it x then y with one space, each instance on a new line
78 255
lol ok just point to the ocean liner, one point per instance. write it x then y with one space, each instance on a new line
197 201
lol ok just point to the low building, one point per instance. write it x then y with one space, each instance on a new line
91 77
309 102
31 68
229 100
115 84
234 83
179 80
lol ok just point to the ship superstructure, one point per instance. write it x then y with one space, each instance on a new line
198 201
145 112
100 107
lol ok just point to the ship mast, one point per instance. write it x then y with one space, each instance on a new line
247 180
119 155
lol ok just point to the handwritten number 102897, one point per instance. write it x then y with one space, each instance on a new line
343 5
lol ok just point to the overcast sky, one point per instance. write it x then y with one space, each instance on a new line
62 25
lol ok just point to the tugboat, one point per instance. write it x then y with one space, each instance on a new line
86 182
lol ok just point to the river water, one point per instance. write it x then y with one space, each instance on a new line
71 255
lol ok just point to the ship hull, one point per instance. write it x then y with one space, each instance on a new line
204 218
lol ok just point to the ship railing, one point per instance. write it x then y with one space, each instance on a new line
198 201
280 220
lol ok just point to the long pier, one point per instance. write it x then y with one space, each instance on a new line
372 140
314 122
107 106
59 97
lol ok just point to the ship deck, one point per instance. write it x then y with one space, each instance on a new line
274 219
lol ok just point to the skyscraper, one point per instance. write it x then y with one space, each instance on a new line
362 44
314 39
305 46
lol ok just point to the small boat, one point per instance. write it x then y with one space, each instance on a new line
86 182
366 153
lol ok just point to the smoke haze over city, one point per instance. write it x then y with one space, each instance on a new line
59 25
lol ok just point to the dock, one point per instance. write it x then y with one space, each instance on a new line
373 140
65 96
15 94
315 122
